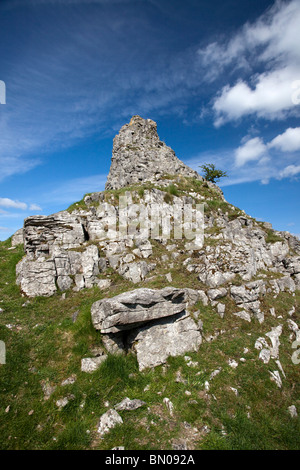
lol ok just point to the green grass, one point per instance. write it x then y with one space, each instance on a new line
45 346
272 237
183 186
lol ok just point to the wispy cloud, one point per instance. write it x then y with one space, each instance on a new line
289 171
35 207
272 43
9 203
253 149
14 204
83 78
255 160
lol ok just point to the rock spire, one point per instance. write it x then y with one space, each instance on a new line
139 155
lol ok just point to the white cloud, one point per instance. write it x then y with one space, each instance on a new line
35 207
289 141
289 171
272 44
14 204
264 166
253 149
4 229
270 97
259 171
10 203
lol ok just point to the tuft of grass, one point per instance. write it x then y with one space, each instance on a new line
272 237
172 189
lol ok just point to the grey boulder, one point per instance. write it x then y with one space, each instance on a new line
131 309
173 336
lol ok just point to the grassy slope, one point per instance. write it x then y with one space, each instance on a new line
45 346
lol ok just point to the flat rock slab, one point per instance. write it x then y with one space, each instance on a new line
131 309
90 364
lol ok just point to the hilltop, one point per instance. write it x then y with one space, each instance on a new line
199 339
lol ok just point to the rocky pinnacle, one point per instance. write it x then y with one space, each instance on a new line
139 155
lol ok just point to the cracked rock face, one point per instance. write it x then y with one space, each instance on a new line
139 155
42 233
156 322
108 421
130 309
72 249
36 277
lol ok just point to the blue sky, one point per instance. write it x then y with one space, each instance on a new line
221 79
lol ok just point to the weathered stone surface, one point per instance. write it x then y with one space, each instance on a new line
216 279
90 268
274 335
169 405
130 309
221 309
104 284
241 248
171 336
293 411
248 293
62 402
243 315
36 277
265 355
90 364
215 294
64 282
114 343
136 272
275 377
17 238
129 405
108 421
139 155
144 248
42 233
69 381
192 296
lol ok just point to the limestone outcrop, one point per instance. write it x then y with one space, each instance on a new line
154 323
238 259
175 336
134 308
139 155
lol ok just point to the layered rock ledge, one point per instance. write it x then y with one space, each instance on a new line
153 323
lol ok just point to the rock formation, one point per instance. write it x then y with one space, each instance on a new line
241 259
153 323
139 155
